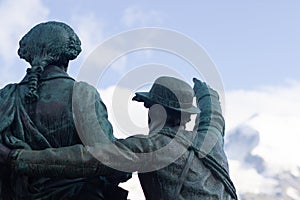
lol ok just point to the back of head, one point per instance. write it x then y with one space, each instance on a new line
175 97
184 94
52 40
49 43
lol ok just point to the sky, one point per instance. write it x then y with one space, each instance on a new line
254 45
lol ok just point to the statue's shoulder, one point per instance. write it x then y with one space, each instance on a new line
9 86
7 90
84 87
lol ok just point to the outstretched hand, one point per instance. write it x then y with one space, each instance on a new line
201 89
4 153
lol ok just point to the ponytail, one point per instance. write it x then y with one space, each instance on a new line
34 75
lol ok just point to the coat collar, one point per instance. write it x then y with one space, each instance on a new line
50 72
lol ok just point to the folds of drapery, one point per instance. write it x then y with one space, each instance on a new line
16 129
9 113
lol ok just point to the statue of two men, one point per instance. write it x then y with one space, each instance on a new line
43 156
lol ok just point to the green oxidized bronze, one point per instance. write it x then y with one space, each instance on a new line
37 114
51 163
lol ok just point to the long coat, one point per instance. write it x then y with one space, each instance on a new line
46 123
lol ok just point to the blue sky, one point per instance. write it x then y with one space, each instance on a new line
253 43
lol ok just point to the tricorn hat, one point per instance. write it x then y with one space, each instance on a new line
171 93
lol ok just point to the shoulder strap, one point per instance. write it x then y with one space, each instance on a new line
217 170
220 173
184 173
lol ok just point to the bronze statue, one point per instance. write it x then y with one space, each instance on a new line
37 114
194 175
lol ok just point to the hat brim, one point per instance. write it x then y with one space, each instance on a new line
145 97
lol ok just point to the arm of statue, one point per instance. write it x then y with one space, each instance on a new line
93 127
69 162
125 155
80 161
210 130
211 123
90 115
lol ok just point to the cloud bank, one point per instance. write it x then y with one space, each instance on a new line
17 18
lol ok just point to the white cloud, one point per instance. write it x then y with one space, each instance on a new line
135 15
248 180
293 193
275 113
127 117
134 188
282 101
17 18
